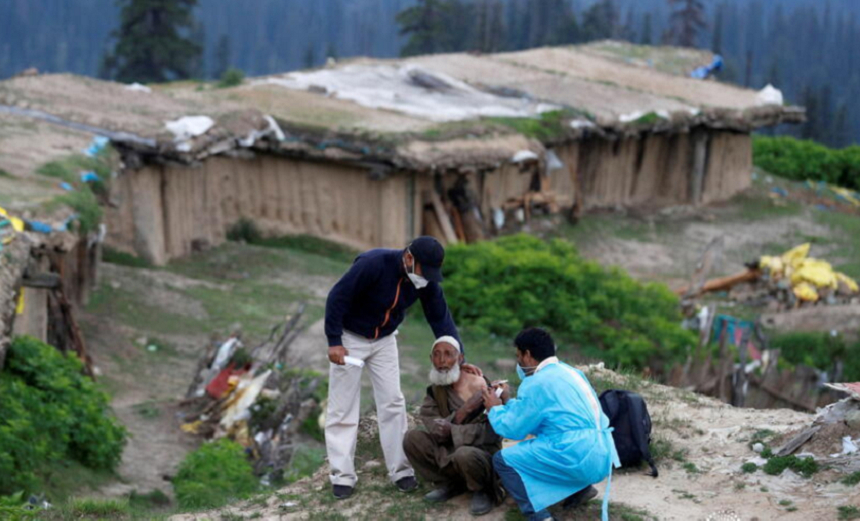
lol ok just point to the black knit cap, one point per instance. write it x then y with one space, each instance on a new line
429 254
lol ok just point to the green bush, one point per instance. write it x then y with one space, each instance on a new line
801 160
49 412
499 287
244 230
819 350
231 78
806 467
213 475
83 198
749 468
16 508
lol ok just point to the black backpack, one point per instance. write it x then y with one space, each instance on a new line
631 423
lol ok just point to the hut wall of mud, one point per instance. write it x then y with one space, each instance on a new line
656 170
168 211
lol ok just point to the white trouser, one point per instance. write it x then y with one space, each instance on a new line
344 397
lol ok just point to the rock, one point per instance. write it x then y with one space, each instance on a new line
372 464
758 448
853 420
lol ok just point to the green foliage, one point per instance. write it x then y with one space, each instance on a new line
231 78
499 287
433 26
123 259
806 467
79 508
819 350
749 468
49 412
244 230
83 199
310 244
6 174
851 479
16 508
152 499
848 512
150 47
214 475
548 127
803 159
305 461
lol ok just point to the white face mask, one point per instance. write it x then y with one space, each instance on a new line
417 280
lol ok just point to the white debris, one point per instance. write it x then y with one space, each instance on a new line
769 95
758 448
411 90
581 123
137 87
523 156
271 130
552 161
189 126
848 447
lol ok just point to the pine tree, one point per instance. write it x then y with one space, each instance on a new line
810 129
717 43
223 59
647 37
490 27
310 56
150 44
427 25
331 51
686 21
600 21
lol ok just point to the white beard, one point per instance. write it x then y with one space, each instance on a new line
444 377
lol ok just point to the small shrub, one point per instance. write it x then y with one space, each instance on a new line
49 411
749 468
231 78
848 513
97 508
851 479
214 475
802 159
501 286
244 230
123 259
153 499
16 508
806 467
819 350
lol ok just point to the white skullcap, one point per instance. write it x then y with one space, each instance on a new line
448 340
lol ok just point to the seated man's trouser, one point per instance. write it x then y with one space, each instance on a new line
513 483
471 466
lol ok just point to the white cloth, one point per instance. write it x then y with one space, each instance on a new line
344 398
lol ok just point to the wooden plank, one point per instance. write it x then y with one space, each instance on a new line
442 216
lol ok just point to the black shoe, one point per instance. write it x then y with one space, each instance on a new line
580 498
481 504
341 491
407 484
443 493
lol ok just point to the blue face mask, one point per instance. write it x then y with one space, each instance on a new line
521 371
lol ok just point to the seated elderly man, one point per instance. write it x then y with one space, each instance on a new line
456 451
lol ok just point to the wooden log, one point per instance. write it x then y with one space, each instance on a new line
723 283
442 216
798 441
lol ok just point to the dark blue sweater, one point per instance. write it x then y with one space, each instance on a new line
372 297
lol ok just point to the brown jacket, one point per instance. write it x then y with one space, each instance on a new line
476 432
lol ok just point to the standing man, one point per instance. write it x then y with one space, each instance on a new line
572 448
362 314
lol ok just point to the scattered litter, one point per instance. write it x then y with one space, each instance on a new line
137 87
271 130
90 177
524 155
581 123
782 192
289 504
96 145
67 187
705 71
769 95
152 348
189 126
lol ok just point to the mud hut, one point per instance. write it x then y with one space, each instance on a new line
373 152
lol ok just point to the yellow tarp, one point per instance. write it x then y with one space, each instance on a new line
17 225
805 291
806 274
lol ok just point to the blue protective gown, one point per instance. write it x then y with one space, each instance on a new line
572 447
